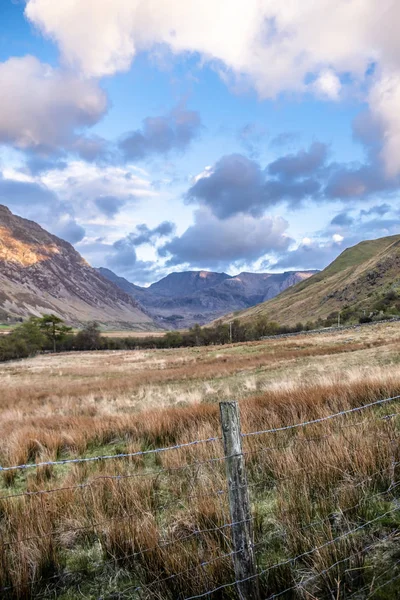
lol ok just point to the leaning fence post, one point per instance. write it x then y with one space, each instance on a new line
239 503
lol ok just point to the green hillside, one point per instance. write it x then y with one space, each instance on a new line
363 281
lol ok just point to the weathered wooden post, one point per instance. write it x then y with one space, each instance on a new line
239 503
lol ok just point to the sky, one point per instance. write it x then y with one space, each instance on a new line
227 135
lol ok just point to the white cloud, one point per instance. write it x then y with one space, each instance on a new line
337 238
384 103
207 172
41 108
106 198
217 243
95 35
274 45
328 84
81 184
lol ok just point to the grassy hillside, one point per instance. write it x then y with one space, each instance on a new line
363 280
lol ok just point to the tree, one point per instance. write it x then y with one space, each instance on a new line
26 340
173 339
54 328
31 333
89 337
262 327
237 331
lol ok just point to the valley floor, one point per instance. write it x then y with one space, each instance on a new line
102 536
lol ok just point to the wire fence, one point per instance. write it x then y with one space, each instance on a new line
323 517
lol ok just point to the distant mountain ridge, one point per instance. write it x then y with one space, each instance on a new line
41 273
364 279
187 282
182 299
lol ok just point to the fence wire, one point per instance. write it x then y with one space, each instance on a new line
204 541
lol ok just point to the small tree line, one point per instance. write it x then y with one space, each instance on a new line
49 333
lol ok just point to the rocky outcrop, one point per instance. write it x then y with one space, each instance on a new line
40 273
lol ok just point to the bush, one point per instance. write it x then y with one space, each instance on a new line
365 319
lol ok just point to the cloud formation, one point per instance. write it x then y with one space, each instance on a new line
237 184
160 135
36 201
384 101
345 229
216 243
68 229
297 41
109 205
250 137
310 254
94 189
294 40
122 256
145 235
45 109
342 220
302 164
358 181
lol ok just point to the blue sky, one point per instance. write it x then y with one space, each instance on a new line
165 135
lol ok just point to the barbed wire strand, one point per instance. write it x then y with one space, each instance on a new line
160 545
328 518
337 563
298 524
322 419
395 578
67 461
196 442
216 493
170 469
119 476
296 558
198 464
369 585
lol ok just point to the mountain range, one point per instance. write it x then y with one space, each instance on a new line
41 273
180 300
363 280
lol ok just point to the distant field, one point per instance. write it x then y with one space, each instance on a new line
4 329
135 334
98 536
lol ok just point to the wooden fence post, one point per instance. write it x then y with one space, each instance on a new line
239 503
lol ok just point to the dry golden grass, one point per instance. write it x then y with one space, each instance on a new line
135 334
100 533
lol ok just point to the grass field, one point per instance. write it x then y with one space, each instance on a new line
4 328
101 537
135 334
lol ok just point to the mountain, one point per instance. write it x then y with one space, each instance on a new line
364 279
186 283
182 299
126 286
40 273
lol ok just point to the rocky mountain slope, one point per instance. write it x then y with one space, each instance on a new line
40 273
363 280
183 299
